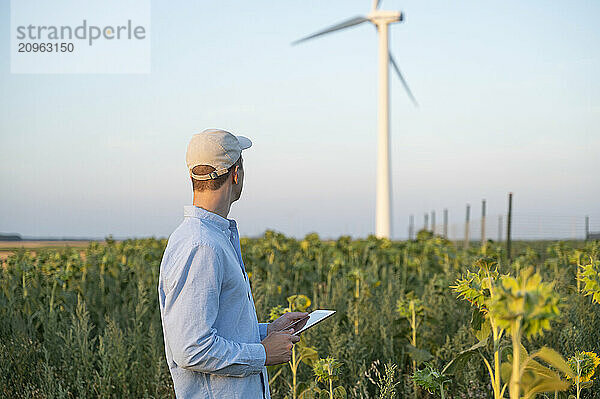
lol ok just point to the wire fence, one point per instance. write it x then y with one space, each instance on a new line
524 226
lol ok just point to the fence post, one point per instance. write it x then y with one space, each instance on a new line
433 222
482 222
587 228
508 227
467 226
426 221
446 223
411 226
499 228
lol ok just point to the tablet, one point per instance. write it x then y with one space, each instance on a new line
313 318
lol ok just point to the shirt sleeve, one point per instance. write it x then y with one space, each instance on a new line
262 329
190 311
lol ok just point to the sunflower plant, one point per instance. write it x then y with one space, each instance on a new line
327 371
431 379
589 275
479 289
411 308
524 305
301 352
584 366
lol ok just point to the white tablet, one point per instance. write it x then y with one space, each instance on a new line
313 318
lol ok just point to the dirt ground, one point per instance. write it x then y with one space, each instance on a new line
8 247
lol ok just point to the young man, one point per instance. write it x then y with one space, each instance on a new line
214 345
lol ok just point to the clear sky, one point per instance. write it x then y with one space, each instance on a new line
509 97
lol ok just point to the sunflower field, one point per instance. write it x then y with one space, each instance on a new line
415 319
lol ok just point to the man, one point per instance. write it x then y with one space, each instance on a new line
214 345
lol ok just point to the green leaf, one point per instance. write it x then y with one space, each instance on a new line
302 386
315 392
458 363
308 394
484 332
339 393
535 377
430 378
545 384
308 355
506 372
418 355
477 319
554 359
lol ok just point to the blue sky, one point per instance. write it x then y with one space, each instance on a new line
509 100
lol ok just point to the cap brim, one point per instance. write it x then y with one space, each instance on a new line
244 142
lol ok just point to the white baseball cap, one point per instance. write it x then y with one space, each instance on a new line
217 148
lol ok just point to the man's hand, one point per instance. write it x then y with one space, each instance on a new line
284 321
278 346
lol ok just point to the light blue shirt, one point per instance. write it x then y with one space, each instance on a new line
212 335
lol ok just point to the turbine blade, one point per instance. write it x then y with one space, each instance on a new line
410 95
376 4
342 25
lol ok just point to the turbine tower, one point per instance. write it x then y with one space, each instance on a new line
381 19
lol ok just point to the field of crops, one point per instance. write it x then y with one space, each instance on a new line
414 319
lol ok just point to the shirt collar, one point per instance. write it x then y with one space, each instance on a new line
201 213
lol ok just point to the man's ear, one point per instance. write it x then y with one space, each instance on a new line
235 175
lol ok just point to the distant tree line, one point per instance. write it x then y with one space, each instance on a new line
10 237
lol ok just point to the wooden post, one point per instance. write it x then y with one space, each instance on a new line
466 243
411 226
426 221
446 223
482 222
499 228
587 228
508 227
433 222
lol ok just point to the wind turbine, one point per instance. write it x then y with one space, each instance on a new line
381 19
